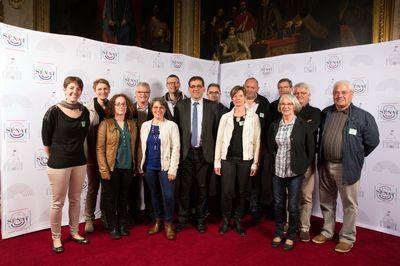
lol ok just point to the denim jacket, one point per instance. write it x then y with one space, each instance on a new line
360 138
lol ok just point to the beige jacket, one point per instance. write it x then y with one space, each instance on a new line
107 145
170 145
250 138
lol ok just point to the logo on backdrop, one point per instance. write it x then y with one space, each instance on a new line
267 68
388 222
44 73
360 86
157 62
249 72
334 62
13 162
386 165
388 84
16 40
18 220
109 54
11 70
391 142
108 76
310 66
394 57
385 193
40 158
83 50
361 59
16 130
287 67
329 88
177 62
131 79
19 189
389 112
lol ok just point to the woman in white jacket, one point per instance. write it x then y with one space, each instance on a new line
236 158
161 148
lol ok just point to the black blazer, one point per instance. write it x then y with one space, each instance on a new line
301 144
149 113
209 128
312 116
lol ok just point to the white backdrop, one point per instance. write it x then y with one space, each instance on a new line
34 64
374 71
33 67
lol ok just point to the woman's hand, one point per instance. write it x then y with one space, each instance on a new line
106 177
253 172
217 171
171 177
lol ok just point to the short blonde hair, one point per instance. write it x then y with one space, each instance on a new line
293 100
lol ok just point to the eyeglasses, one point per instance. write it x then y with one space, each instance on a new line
144 92
120 104
300 93
196 87
213 92
283 87
173 83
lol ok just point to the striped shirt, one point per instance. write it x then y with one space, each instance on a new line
332 138
282 159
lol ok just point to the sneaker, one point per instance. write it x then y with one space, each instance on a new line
89 227
320 239
343 247
304 236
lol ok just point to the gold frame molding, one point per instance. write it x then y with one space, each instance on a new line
41 15
383 14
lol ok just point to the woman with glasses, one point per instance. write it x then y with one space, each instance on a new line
291 143
117 156
161 146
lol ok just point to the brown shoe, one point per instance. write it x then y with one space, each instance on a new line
155 228
343 247
304 236
320 239
169 231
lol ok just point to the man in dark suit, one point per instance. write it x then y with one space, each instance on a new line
173 96
142 114
197 120
261 106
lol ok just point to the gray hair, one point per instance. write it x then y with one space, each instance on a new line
344 83
293 100
302 85
144 85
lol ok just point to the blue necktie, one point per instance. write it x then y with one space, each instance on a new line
193 139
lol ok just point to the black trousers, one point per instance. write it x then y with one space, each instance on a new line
235 174
194 172
135 197
116 196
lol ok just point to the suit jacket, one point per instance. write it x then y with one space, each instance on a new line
135 115
209 128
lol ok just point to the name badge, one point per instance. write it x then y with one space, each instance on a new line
262 115
241 123
352 131
83 123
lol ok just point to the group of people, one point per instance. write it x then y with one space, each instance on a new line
187 148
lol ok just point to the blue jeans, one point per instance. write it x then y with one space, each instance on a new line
288 187
162 193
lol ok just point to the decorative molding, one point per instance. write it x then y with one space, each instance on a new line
382 20
41 15
177 26
196 28
16 4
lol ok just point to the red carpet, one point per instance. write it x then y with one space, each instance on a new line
192 248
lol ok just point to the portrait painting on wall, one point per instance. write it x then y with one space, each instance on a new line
143 23
233 30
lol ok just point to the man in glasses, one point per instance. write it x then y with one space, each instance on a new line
197 121
173 96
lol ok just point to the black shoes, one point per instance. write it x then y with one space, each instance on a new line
123 230
238 226
226 225
201 227
57 250
179 227
83 241
115 234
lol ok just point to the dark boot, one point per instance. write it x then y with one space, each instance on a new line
155 228
115 234
226 224
123 230
238 225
